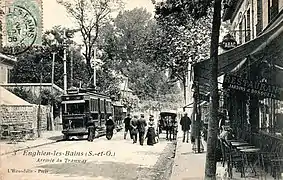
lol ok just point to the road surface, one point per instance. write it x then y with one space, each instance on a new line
102 159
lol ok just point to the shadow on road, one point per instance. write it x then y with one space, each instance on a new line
113 170
56 138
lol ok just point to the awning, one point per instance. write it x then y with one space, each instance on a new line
234 57
8 98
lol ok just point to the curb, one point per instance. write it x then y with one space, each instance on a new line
30 147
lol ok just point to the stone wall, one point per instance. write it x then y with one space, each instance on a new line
23 116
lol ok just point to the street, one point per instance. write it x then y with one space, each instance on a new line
114 159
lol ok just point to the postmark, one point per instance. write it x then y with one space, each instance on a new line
21 30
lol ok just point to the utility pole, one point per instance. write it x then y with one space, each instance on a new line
52 90
65 62
94 67
39 104
71 64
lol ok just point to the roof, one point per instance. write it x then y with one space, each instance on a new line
8 98
7 59
166 113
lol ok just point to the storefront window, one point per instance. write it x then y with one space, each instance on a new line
271 116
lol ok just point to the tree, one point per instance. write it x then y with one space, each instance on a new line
179 42
123 44
90 16
198 9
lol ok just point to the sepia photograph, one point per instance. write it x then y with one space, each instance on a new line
141 90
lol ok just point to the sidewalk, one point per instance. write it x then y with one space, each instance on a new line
47 137
188 165
191 166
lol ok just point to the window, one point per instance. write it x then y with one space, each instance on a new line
248 30
96 105
273 9
259 17
102 109
241 32
78 108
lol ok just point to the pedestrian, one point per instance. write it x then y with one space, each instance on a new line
174 128
91 128
134 128
128 127
150 135
168 125
141 128
110 126
185 123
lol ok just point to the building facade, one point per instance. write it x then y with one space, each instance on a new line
251 89
6 64
250 18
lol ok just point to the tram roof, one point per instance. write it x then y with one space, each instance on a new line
75 91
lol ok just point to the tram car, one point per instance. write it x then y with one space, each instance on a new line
81 107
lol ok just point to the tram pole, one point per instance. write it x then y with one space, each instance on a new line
65 63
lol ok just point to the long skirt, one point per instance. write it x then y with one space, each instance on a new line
150 136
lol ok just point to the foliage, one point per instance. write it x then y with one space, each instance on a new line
26 95
38 60
90 16
124 46
179 41
162 102
180 10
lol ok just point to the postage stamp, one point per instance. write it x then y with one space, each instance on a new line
21 30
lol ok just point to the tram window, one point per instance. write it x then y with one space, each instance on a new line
101 105
78 108
63 108
108 106
95 105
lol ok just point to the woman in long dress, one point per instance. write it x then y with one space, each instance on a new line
150 135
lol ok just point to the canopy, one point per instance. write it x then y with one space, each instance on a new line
268 42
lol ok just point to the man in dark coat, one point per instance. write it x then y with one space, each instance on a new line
128 127
185 123
141 128
134 128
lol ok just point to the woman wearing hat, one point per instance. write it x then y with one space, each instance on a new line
150 135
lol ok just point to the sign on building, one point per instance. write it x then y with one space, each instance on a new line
260 89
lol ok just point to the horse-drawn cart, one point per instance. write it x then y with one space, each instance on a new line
167 121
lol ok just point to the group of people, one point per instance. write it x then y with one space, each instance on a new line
137 129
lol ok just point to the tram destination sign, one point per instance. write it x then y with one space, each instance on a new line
260 89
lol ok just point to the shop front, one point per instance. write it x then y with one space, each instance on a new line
251 90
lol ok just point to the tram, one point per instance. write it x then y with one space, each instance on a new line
81 107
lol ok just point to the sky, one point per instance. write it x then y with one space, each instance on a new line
55 14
